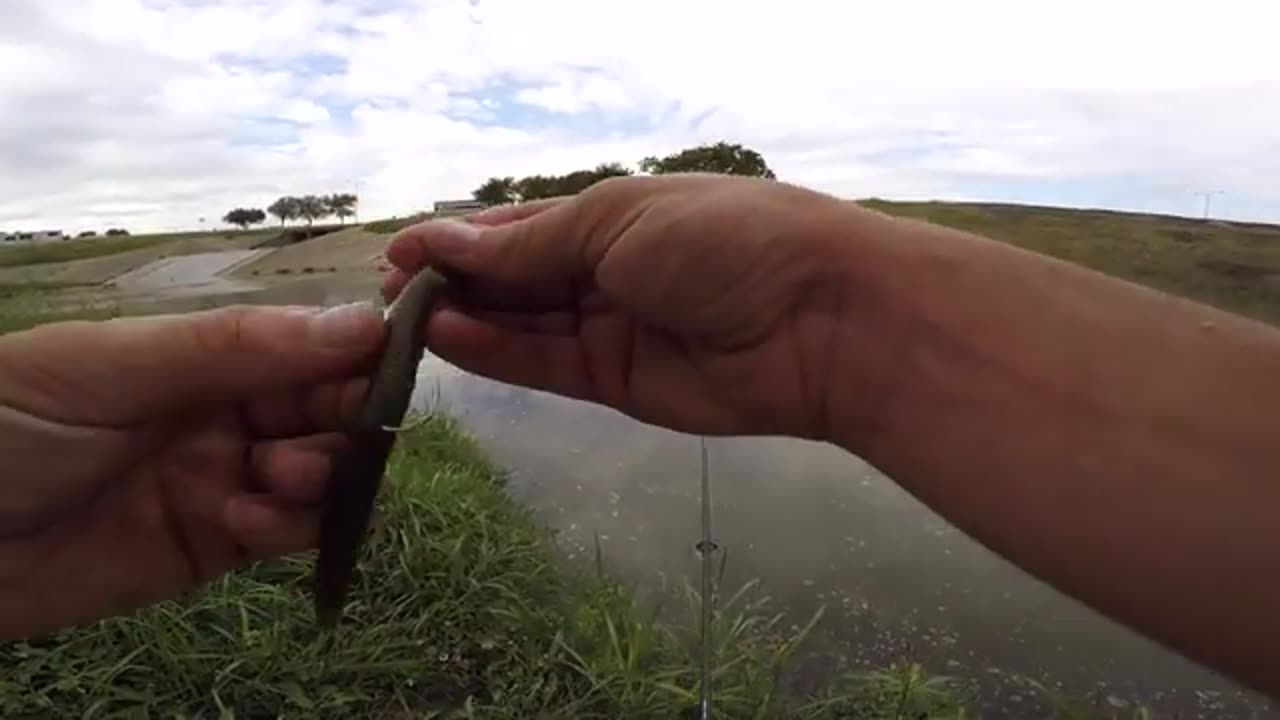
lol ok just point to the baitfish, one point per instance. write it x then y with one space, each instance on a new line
357 470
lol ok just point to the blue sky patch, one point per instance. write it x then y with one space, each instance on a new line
504 108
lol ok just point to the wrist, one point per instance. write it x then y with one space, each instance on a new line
859 361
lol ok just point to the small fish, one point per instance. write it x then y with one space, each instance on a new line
357 470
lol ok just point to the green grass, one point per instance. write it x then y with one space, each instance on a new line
27 305
82 248
11 291
463 609
390 226
1233 266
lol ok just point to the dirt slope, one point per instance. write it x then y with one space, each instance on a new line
352 250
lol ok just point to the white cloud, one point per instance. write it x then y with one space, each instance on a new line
154 113
578 92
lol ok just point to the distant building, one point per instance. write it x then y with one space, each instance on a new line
446 208
39 236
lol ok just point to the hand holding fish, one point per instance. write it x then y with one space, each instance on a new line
144 457
704 303
1114 441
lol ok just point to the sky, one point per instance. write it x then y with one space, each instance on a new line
156 114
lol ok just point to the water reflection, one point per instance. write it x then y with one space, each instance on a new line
817 526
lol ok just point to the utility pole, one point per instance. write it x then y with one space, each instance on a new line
1208 198
357 185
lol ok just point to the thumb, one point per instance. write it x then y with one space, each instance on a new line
130 370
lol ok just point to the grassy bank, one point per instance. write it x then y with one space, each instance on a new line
102 246
390 226
464 610
1234 266
78 249
26 305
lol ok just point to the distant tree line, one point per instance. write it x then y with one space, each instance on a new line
288 208
111 232
722 158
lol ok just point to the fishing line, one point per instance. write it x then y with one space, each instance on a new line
706 546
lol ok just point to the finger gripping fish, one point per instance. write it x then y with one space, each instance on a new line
356 470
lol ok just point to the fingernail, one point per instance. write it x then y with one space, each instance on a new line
345 324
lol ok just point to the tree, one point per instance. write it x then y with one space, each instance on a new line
341 204
496 191
117 232
721 157
312 208
502 190
285 208
613 169
244 217
88 234
537 187
579 180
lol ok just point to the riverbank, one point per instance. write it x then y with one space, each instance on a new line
465 609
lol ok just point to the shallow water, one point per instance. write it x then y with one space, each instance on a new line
317 290
817 526
814 524
186 275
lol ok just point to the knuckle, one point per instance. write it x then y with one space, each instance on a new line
222 330
611 184
617 186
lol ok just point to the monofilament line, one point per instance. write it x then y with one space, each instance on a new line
706 546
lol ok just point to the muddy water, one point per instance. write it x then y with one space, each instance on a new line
816 526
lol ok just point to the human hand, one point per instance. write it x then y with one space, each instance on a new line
142 457
704 303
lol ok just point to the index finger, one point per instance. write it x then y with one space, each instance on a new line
406 253
478 294
510 213
531 259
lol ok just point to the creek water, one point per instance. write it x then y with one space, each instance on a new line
814 525
187 275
